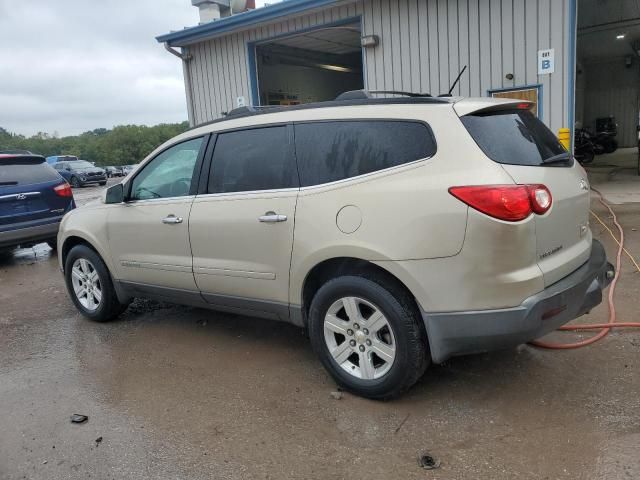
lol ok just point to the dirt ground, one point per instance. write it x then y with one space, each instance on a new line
182 393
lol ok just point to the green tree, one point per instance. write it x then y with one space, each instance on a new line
122 145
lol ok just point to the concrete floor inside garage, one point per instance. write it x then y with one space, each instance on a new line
176 392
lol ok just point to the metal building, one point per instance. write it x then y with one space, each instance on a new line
299 51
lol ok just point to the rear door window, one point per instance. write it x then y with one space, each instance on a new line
250 160
513 137
25 171
336 150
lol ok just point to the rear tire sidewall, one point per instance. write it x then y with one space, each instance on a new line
400 376
109 306
587 157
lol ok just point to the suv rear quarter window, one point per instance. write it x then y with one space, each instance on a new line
336 150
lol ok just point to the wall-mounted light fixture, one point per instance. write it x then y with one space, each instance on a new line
369 41
509 76
620 37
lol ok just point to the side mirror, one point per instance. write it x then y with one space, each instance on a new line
114 194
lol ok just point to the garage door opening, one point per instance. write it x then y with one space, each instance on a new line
314 66
608 70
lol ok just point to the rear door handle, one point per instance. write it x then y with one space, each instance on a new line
272 217
172 220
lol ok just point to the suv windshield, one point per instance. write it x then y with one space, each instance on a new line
80 165
25 171
516 137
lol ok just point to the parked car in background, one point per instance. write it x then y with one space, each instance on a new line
80 173
397 231
61 158
127 169
33 200
113 171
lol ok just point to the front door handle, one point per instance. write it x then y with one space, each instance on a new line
172 220
272 217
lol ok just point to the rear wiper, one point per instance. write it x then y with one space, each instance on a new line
560 158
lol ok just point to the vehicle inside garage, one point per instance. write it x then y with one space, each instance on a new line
608 73
312 66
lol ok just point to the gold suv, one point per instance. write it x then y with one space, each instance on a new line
397 231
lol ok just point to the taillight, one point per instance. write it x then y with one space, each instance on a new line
63 190
511 203
540 198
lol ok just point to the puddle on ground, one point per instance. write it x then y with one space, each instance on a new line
21 256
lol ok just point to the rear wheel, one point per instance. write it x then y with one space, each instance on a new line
103 184
368 335
585 157
89 285
53 243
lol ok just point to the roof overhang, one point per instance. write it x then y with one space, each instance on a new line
241 21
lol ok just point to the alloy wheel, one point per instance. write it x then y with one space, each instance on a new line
86 284
359 338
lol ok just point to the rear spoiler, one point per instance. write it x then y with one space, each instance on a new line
468 106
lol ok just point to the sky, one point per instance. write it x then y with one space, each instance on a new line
68 66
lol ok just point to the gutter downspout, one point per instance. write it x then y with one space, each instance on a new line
185 57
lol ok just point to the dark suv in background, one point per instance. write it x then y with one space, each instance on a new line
80 173
33 200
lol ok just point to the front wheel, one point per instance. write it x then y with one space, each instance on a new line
102 184
75 183
89 285
369 336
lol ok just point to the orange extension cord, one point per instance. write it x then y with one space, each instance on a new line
612 323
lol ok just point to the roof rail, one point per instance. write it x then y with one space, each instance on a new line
359 98
250 110
364 94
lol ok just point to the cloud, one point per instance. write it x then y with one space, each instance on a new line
75 65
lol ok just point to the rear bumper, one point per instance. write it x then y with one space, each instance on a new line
29 233
461 333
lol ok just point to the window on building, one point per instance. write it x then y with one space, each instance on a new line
249 160
331 151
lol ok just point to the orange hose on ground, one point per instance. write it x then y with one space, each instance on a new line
606 327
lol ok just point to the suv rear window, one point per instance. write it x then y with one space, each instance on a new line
25 171
513 137
335 150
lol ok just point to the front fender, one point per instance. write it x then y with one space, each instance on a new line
89 225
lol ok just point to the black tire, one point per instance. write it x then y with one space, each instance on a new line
75 183
109 307
412 355
102 184
53 243
585 158
610 145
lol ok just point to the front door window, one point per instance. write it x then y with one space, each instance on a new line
170 174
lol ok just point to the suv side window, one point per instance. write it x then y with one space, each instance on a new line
335 150
169 174
250 160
